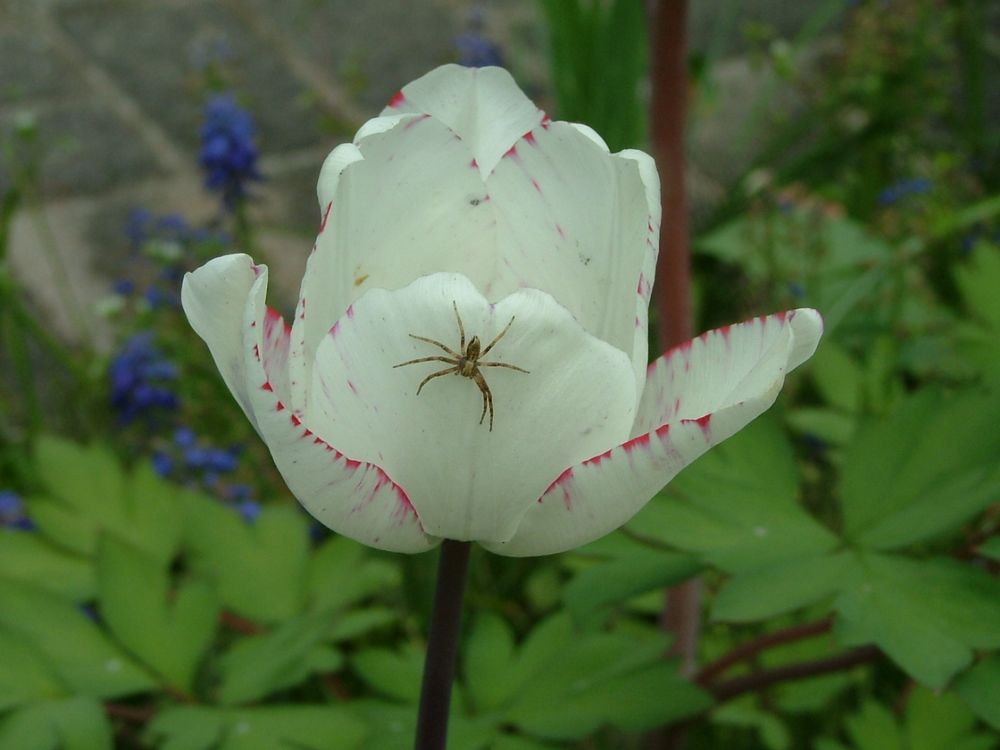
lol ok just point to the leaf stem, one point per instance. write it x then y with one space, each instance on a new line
755 681
750 649
442 646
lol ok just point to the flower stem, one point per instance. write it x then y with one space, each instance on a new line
442 646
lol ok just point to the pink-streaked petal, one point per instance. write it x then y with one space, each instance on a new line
575 221
465 481
224 301
484 106
700 394
725 366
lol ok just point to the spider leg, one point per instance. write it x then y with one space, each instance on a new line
498 337
502 364
436 343
425 359
461 328
487 397
433 375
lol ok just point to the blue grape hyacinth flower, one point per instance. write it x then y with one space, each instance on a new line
228 148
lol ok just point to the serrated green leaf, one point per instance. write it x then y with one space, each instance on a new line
926 615
71 643
258 666
295 727
923 471
259 570
29 558
342 572
766 592
488 655
25 677
979 688
71 724
614 581
169 631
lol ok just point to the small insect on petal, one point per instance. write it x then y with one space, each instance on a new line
466 362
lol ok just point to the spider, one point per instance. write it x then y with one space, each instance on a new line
465 362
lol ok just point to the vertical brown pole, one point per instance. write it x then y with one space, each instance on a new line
672 291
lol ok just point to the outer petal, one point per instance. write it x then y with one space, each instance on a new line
483 106
698 395
224 301
466 481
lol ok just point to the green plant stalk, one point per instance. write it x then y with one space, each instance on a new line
442 646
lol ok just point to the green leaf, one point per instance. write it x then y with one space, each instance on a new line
395 674
88 493
928 616
29 558
737 505
488 655
923 471
71 643
978 281
979 688
351 625
830 426
71 724
25 677
838 378
941 722
343 572
776 589
770 729
570 687
259 570
614 581
392 726
169 630
297 727
258 666
874 728
991 548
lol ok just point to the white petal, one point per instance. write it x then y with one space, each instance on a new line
696 396
214 299
329 176
575 221
484 106
414 204
224 301
466 481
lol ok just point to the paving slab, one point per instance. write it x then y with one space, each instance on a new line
165 57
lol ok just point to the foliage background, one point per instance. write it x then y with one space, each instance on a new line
160 588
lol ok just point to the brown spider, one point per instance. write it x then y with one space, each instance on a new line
466 362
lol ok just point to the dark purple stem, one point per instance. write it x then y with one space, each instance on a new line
442 646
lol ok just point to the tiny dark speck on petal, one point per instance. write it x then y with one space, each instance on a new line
474 202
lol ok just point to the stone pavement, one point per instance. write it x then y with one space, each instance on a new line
115 89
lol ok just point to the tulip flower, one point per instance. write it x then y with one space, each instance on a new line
468 357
